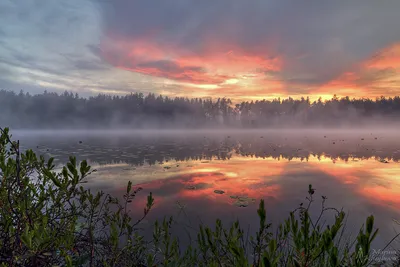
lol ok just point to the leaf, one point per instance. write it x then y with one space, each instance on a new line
374 235
235 251
71 168
26 238
129 187
266 262
68 261
50 163
72 160
272 246
52 177
370 224
114 234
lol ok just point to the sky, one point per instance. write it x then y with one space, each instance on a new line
240 49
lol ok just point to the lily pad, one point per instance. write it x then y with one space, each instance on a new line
220 192
190 187
241 203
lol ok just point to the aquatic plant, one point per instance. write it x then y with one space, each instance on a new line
49 218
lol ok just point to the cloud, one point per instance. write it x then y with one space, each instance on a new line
54 46
215 67
242 49
376 76
305 44
40 33
171 70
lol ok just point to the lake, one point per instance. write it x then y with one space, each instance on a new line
356 170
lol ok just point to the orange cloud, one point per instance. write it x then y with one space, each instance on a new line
379 75
224 69
387 58
220 68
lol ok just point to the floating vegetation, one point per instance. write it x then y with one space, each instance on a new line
241 204
190 187
180 205
242 201
219 192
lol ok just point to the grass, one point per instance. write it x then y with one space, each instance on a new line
48 218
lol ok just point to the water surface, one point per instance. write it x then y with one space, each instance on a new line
359 171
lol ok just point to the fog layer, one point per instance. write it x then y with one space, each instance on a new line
136 111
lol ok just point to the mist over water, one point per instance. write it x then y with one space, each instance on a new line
356 169
138 111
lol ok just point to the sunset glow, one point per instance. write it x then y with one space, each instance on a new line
227 73
236 49
244 76
264 178
377 76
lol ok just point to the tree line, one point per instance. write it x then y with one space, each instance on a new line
136 110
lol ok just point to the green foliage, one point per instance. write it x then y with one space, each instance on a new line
48 218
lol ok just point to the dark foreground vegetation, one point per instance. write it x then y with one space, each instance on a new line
68 110
50 219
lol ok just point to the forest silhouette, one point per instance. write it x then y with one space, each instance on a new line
70 111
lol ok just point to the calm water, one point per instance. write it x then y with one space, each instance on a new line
359 171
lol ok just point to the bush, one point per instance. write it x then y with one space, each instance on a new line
50 219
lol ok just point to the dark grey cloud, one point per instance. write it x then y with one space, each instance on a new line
170 69
169 66
94 49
